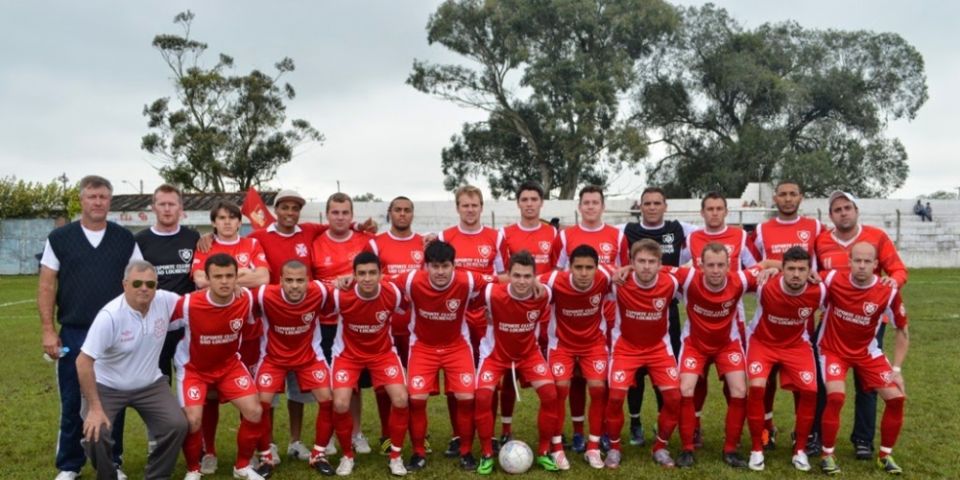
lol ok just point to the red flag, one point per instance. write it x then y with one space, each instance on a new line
254 209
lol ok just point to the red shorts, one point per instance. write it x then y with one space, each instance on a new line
271 377
425 365
231 382
727 359
874 372
797 370
593 363
384 369
659 362
250 351
532 367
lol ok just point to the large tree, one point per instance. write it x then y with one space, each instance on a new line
553 76
221 129
735 105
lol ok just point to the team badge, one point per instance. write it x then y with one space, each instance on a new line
484 250
533 315
666 239
690 363
659 303
242 382
544 246
870 308
486 376
300 249
391 371
342 376
466 379
735 358
806 377
803 235
728 304
805 312
383 316
320 375
265 380
235 324
756 368
243 259
595 300
193 393
308 317
417 256
834 369
185 254
558 369
619 376
417 382
453 304
540 369
606 248
599 365
673 373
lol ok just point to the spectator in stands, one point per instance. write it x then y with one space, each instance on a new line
635 209
924 213
928 212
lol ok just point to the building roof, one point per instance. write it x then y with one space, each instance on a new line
191 201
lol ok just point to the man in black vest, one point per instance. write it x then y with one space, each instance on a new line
81 270
671 235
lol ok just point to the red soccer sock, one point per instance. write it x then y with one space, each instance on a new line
598 403
508 400
668 417
700 397
578 403
830 421
755 414
418 425
770 395
890 425
688 422
324 424
247 436
614 415
208 424
563 393
484 418
806 407
266 425
452 410
343 425
465 409
192 450
399 422
547 417
383 409
736 412
495 402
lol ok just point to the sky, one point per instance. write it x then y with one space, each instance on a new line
75 76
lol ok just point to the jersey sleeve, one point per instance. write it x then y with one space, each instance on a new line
751 278
100 335
623 257
371 247
178 316
199 258
258 258
890 261
500 261
746 258
313 230
559 252
755 244
897 311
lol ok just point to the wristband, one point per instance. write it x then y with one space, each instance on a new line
897 369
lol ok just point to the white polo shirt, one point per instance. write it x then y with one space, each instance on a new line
126 345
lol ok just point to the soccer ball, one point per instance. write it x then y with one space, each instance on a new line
515 457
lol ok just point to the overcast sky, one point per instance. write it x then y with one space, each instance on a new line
75 76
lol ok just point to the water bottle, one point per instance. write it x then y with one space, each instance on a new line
63 351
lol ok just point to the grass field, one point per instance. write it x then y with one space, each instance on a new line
928 446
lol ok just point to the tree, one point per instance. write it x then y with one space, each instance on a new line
221 129
552 75
940 195
21 199
734 105
367 197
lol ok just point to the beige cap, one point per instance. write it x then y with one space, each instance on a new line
288 195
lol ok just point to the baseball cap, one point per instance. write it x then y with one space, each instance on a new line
840 194
288 195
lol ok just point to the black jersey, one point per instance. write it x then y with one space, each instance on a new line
670 237
171 255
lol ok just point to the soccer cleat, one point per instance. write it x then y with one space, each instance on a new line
769 439
698 438
297 450
385 445
605 444
593 458
685 460
265 469
345 467
416 463
322 465
468 463
68 475
560 459
453 448
486 466
189 476
505 438
246 473
274 454
361 444
814 448
208 464
863 450
613 459
496 446
546 462
756 461
662 457
801 462
636 435
734 460
888 465
121 475
829 465
396 467
578 444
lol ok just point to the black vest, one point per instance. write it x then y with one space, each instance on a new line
172 256
670 237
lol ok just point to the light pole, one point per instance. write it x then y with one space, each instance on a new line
134 186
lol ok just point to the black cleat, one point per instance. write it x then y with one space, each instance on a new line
863 450
814 448
416 463
769 439
468 463
505 438
698 438
733 459
685 459
323 466
496 447
453 448
265 469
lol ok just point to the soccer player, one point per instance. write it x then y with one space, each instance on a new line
611 246
577 337
672 237
856 303
290 312
510 346
779 338
363 342
640 339
216 319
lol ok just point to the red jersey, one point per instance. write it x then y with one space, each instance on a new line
245 250
607 240
734 239
782 318
333 258
477 252
397 255
364 323
538 241
212 332
776 236
292 337
834 254
711 315
854 314
281 247
512 323
643 314
437 315
576 320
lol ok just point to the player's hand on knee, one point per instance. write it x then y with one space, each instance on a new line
93 425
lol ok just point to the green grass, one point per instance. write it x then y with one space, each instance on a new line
927 448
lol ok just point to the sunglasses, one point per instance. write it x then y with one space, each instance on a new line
151 284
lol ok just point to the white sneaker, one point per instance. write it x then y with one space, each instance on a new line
801 462
297 450
331 447
396 467
756 461
560 458
247 473
67 475
593 458
121 475
193 476
361 444
345 467
208 464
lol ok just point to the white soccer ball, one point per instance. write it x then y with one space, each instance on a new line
515 457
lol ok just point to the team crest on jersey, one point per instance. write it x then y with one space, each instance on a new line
619 376
804 312
320 375
558 369
242 382
606 248
235 324
690 363
870 308
673 373
595 300
308 317
599 365
659 303
417 382
533 315
342 376
383 316
806 377
803 235
193 393
453 304
667 239
185 254
265 380
728 304
756 367
484 250
243 259
391 371
544 246
486 376
466 379
417 256
300 249
735 358
834 369
540 369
